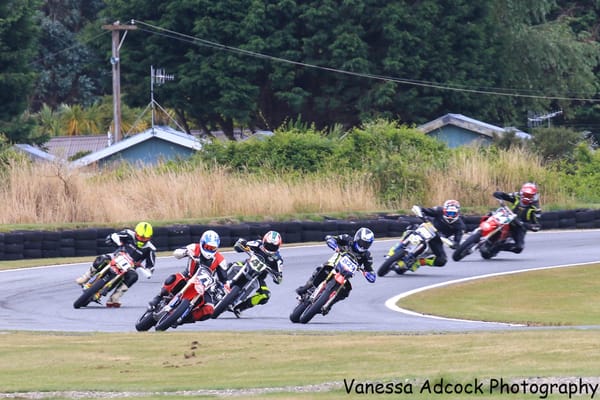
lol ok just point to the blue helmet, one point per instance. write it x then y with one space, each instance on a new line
363 239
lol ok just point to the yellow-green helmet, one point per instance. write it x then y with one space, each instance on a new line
143 233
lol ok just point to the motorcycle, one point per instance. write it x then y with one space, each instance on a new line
184 296
414 243
243 281
108 278
343 265
493 231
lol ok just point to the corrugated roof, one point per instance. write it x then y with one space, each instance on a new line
165 133
467 123
35 153
67 146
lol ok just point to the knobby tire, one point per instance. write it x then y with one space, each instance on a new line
226 301
88 294
171 317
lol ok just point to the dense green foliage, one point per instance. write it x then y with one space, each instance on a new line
18 35
258 64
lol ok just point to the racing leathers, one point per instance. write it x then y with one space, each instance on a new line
273 261
145 255
451 230
341 242
217 265
527 219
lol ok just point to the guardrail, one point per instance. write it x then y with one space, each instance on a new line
30 244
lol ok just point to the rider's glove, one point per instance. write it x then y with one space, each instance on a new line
277 278
370 276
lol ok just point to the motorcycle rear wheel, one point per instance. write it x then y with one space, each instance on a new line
227 301
170 318
316 307
465 248
146 321
88 294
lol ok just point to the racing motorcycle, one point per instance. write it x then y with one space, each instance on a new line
108 278
493 231
343 265
243 281
184 296
414 243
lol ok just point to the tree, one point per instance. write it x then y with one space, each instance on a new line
68 70
18 35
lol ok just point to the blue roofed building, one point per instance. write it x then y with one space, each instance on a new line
150 147
457 130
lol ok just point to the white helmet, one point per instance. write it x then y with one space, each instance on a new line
209 244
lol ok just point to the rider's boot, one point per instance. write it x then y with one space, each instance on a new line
113 301
429 261
154 302
304 288
86 276
512 247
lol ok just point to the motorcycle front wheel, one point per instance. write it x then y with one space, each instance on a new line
466 247
88 294
227 301
389 262
298 310
170 318
316 307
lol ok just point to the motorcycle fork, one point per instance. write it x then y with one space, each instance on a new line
341 280
321 286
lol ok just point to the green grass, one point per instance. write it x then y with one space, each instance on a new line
557 296
176 361
312 365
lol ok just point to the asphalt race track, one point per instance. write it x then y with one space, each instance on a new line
41 299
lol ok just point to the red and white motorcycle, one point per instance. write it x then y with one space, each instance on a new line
493 231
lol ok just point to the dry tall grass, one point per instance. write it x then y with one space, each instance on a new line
472 176
51 194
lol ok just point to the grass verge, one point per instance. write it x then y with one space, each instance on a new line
548 297
171 362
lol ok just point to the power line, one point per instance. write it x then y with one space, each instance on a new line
207 43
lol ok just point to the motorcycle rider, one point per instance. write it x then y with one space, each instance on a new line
449 224
267 249
526 204
139 247
203 253
359 246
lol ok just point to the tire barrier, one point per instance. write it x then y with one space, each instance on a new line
23 244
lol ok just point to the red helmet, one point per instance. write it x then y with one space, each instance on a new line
528 193
451 211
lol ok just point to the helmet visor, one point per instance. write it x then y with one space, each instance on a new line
270 247
452 214
211 248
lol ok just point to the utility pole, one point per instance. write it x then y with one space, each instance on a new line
116 28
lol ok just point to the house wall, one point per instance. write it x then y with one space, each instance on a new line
150 152
455 136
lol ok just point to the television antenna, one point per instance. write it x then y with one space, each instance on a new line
534 120
157 77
